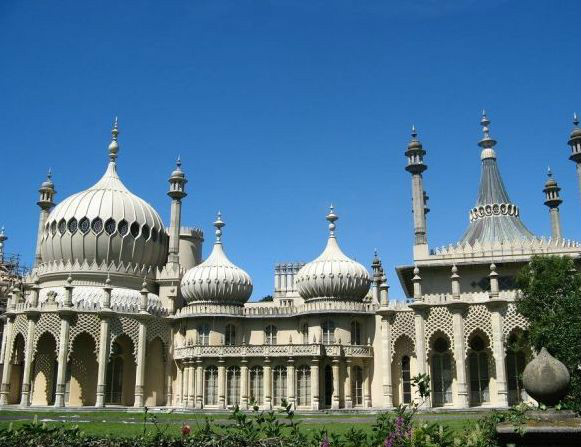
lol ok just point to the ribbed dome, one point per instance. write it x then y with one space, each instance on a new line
216 280
333 274
105 223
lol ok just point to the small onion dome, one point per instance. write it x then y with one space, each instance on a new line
333 274
216 280
550 180
48 184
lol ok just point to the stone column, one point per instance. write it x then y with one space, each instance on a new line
179 401
499 351
200 385
140 367
221 383
62 360
347 384
366 384
103 360
244 384
335 398
185 384
32 319
7 367
290 382
315 405
419 322
457 311
168 371
387 379
267 384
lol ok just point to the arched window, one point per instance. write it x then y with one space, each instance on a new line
204 334
211 386
230 335
305 333
478 367
357 385
256 385
278 385
270 335
406 380
233 386
515 366
355 333
328 328
441 373
303 386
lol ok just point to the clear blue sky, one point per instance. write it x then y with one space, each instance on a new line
280 107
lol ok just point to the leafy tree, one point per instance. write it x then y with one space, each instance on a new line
550 299
266 299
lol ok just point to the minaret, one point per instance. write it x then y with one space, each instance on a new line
3 238
45 203
177 183
575 143
552 200
377 269
415 154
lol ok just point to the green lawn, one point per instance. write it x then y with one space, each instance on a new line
121 423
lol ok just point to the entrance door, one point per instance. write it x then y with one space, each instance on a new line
328 386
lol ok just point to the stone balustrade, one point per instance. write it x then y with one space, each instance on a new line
298 350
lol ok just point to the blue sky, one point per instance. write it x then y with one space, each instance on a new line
281 107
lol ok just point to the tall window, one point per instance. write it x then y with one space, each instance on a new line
478 364
278 385
114 389
515 365
357 385
233 386
204 334
305 333
406 380
441 373
270 335
328 328
211 386
230 335
355 333
303 386
256 385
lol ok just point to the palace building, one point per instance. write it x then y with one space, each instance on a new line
121 310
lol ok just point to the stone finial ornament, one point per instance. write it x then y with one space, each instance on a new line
546 379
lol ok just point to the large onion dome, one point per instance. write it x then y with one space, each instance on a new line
105 224
333 274
216 280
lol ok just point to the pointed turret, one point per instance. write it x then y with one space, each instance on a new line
415 155
177 183
45 203
575 143
494 218
553 200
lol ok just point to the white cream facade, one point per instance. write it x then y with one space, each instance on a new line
121 310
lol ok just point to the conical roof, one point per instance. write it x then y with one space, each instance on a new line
494 218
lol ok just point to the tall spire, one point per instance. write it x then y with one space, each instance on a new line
114 145
552 201
416 166
494 218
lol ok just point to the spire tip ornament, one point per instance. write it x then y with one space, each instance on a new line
114 145
332 218
219 224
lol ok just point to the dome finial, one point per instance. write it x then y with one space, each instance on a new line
179 161
332 217
219 224
114 145
414 132
575 119
549 172
486 142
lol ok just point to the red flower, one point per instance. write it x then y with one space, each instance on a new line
186 430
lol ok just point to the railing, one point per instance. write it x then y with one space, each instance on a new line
306 350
